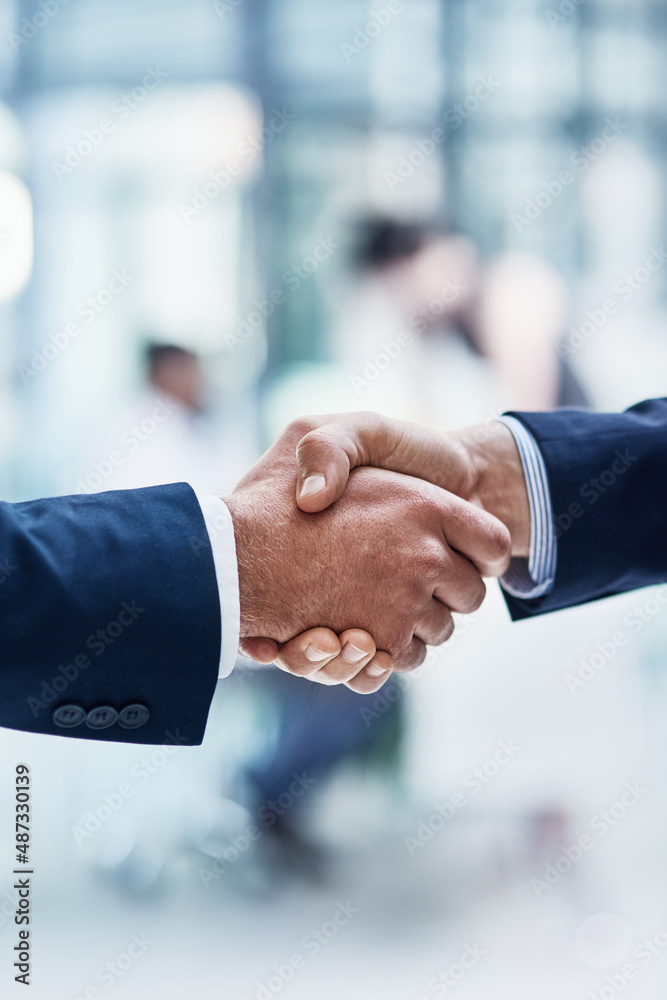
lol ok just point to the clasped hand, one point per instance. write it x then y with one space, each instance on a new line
345 520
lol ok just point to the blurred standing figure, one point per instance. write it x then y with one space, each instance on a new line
169 435
176 372
492 326
440 335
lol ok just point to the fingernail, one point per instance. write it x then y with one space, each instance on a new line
315 655
313 484
352 653
374 671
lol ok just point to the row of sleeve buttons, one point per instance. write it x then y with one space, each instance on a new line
101 717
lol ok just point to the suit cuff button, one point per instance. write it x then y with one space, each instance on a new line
133 716
101 717
68 716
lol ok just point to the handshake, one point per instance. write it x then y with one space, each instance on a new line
357 536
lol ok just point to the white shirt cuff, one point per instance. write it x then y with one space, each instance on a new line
533 577
221 536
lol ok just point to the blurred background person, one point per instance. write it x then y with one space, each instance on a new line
509 310
175 430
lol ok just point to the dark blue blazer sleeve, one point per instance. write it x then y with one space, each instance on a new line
109 601
608 482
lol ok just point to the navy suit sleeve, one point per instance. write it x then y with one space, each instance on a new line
109 612
608 482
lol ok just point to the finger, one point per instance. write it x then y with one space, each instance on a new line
479 536
437 624
371 677
326 455
308 652
411 657
460 587
357 650
259 650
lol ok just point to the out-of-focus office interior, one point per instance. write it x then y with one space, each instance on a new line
218 215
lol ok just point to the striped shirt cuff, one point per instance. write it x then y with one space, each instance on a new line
533 577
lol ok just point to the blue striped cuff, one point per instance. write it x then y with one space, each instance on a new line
533 577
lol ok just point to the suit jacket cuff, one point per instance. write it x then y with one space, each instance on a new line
608 485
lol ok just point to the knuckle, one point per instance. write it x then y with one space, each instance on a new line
302 426
319 443
475 596
439 632
411 656
417 654
367 417
499 541
448 630
432 559
399 642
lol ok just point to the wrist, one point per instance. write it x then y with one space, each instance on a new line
500 484
268 604
249 618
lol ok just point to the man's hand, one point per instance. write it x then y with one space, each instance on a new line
479 464
324 657
393 556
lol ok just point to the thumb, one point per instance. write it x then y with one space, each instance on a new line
326 455
259 650
323 469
